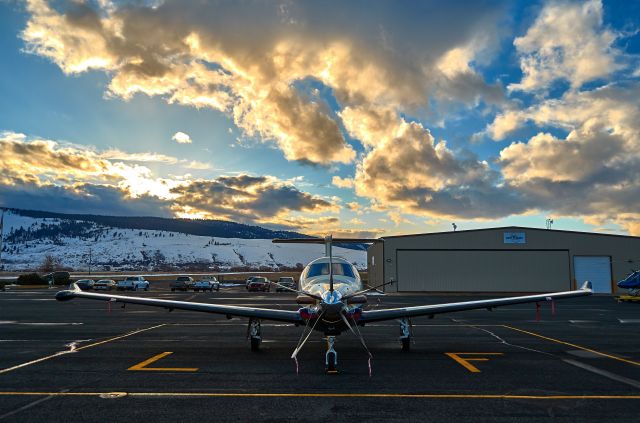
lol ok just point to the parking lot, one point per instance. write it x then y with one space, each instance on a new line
85 360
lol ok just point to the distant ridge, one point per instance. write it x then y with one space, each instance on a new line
200 227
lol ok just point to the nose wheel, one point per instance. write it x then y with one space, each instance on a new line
331 357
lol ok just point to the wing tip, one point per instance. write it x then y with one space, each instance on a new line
586 286
68 294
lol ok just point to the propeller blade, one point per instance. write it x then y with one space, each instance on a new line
357 335
301 344
308 294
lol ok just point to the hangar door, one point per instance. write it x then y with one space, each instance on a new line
483 270
595 269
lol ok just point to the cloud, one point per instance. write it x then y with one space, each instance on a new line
81 198
246 198
181 138
593 172
567 42
37 173
194 55
405 168
342 182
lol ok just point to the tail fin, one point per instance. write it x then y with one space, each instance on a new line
586 286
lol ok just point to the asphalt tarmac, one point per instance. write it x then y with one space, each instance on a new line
81 361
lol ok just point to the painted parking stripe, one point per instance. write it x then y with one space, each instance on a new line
142 366
316 395
624 360
71 350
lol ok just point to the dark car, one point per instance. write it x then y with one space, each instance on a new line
248 281
286 281
85 284
182 283
259 283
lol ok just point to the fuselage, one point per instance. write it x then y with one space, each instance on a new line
315 280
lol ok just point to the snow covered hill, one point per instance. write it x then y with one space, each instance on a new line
76 243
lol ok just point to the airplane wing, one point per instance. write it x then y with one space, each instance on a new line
228 310
430 310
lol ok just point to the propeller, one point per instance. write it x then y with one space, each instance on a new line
301 342
360 338
346 297
314 296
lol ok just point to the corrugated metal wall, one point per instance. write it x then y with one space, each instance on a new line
483 270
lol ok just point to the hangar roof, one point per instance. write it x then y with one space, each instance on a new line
511 228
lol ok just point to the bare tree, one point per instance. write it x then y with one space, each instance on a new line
49 263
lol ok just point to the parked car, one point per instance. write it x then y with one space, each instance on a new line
259 283
287 281
207 283
248 281
132 283
85 284
182 283
104 284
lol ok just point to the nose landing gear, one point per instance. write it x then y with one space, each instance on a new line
405 334
331 358
255 334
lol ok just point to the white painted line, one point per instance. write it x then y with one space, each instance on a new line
604 373
582 321
73 348
629 320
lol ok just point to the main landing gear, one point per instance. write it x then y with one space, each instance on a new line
405 334
331 358
254 333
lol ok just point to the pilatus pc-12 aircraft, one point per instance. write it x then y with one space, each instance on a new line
332 301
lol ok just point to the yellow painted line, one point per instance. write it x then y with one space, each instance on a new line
614 357
143 365
464 361
313 395
48 357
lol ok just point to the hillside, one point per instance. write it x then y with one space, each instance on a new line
148 243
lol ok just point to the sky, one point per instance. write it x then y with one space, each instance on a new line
357 118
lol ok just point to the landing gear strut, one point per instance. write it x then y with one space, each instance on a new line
331 358
405 334
255 334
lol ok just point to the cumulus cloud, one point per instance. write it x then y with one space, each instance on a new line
194 55
405 168
248 198
342 182
36 173
567 42
82 198
181 138
595 170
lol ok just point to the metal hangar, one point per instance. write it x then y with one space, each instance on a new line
507 259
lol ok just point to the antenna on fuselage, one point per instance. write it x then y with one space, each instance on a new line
328 240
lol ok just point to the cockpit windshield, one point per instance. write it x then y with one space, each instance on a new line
339 269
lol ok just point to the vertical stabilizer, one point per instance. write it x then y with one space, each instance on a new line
328 240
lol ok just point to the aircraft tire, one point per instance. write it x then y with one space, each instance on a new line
255 344
406 344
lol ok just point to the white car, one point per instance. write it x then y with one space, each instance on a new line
207 283
104 284
133 283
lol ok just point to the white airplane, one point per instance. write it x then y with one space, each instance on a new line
332 301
